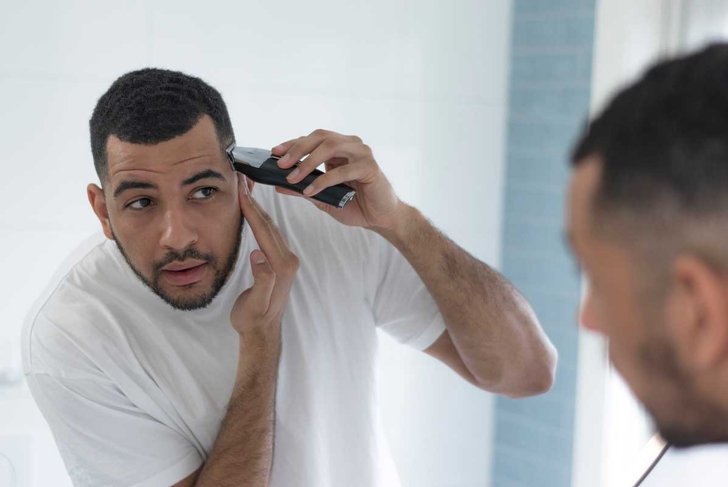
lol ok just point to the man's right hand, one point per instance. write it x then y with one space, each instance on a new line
243 451
257 313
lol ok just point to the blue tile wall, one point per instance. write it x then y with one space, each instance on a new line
549 90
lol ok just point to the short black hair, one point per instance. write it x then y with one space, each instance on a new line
665 139
153 105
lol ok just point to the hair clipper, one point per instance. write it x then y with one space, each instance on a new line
261 166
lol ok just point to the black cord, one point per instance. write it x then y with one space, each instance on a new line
652 465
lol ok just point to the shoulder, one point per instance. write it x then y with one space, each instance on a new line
63 316
700 465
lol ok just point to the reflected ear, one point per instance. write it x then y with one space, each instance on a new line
98 203
697 313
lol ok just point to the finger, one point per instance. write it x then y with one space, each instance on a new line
243 188
328 150
257 298
247 183
284 281
264 278
350 173
283 147
266 233
303 146
284 264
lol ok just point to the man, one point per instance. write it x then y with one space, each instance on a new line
648 221
176 352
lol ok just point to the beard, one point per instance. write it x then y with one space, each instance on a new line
681 415
201 299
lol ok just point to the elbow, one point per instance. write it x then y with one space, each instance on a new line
534 374
537 375
527 367
536 384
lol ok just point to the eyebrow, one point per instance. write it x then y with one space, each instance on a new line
207 173
132 184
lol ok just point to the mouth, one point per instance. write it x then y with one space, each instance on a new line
185 273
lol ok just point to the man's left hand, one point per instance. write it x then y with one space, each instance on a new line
347 160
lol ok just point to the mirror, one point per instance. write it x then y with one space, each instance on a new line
426 85
470 109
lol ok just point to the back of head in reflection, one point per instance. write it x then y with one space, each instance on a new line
648 222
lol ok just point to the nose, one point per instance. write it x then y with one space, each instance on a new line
178 230
587 317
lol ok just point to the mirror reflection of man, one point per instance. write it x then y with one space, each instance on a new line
648 222
216 338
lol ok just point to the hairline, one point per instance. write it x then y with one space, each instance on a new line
103 178
653 239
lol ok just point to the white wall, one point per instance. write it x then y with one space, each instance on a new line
423 82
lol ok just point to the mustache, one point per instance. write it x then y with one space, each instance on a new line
188 253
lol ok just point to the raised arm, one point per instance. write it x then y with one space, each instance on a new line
243 451
493 338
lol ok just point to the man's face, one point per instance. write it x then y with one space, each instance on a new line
617 306
173 210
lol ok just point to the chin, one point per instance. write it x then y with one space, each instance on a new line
682 436
686 425
188 302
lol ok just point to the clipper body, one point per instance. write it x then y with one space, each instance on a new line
261 166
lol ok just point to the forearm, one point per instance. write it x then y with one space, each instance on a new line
243 450
494 330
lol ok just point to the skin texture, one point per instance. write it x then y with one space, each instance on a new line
243 450
671 347
161 224
163 215
493 338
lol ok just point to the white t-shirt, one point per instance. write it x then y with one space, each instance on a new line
135 391
704 466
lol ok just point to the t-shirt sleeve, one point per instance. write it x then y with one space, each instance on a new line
104 439
402 305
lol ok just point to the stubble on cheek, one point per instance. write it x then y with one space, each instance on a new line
191 300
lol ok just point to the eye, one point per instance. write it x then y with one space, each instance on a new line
139 204
204 193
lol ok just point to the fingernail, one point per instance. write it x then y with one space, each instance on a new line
259 257
283 160
294 174
308 190
277 148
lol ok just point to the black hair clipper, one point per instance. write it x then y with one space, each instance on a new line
261 166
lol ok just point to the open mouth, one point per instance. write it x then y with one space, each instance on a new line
184 273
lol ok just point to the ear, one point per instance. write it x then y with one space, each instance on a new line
98 203
697 313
